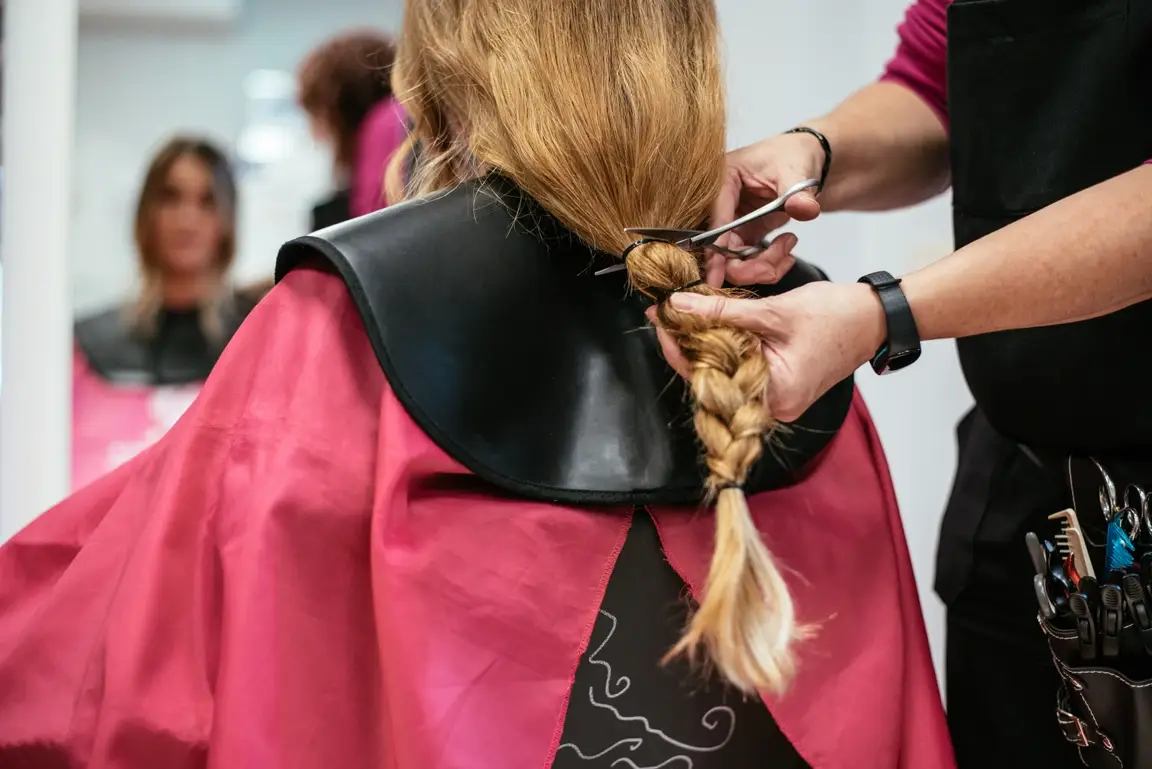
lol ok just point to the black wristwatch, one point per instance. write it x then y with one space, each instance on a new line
903 346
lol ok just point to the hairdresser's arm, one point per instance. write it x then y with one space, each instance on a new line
889 146
1088 255
889 141
1085 256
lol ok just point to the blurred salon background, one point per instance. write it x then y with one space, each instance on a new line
156 153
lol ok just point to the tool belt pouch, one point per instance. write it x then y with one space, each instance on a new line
1104 705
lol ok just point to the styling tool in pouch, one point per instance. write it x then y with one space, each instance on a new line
1146 568
1090 589
1111 617
1137 601
1119 549
1085 626
1071 542
1037 553
1060 576
1047 608
1069 568
1136 499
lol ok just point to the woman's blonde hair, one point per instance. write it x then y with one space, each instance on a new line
610 113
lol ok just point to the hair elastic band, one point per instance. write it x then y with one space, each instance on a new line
637 244
729 485
662 295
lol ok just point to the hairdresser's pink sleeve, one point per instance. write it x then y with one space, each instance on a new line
920 63
383 132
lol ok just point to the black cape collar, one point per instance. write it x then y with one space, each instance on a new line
530 371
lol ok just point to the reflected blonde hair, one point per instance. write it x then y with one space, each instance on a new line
610 113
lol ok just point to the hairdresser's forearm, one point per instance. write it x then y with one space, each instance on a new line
889 150
1088 255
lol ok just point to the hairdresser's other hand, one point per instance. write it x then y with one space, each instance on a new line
756 175
753 177
813 337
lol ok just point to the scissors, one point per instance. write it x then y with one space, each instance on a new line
1143 500
697 240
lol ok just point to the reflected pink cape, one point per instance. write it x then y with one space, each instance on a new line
111 423
294 577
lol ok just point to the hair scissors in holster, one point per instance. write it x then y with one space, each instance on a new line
698 240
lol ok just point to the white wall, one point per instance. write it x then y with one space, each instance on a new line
790 60
139 84
37 335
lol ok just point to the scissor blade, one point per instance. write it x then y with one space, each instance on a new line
662 233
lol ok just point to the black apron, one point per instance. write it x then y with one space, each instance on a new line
1046 98
332 210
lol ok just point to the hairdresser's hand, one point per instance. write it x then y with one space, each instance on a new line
755 176
813 337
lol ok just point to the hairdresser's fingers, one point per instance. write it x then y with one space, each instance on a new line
754 231
765 268
803 206
715 269
724 209
668 346
749 314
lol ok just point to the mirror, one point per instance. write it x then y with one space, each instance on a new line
207 134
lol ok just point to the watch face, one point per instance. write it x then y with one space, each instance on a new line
903 359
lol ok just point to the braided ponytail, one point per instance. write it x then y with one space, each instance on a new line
746 621
610 113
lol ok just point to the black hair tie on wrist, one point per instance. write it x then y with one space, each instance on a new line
823 143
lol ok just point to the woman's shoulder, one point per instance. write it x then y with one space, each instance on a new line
112 317
105 334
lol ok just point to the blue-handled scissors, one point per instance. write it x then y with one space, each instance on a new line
697 240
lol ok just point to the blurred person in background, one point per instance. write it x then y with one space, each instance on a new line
139 364
346 90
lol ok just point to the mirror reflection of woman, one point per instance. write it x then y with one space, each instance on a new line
170 334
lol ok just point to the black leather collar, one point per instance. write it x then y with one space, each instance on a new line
522 365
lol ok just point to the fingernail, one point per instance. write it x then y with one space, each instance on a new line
685 302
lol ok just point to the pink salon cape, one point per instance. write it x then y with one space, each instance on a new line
289 579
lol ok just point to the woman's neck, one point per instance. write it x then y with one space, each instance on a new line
186 292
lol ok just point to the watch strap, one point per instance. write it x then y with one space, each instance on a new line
903 345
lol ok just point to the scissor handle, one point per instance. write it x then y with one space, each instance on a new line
706 238
1109 499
